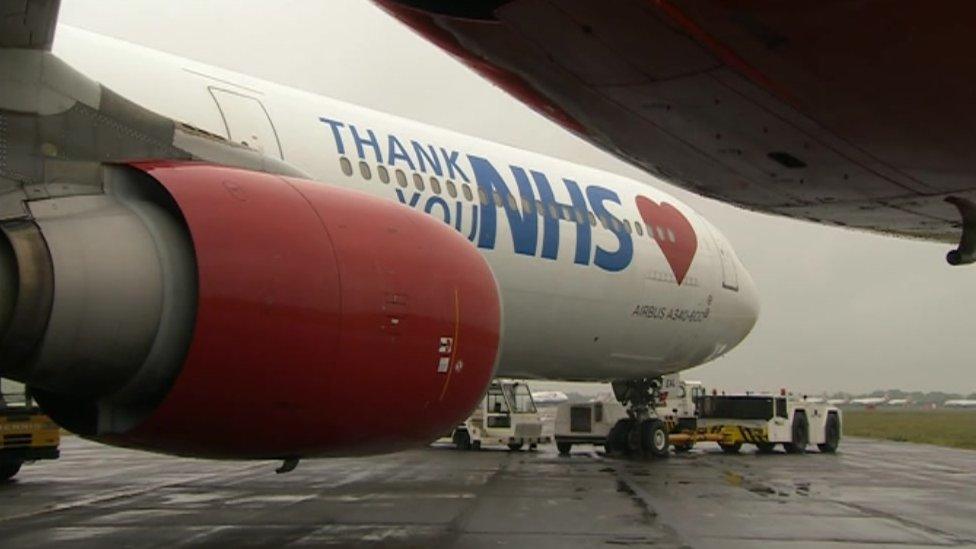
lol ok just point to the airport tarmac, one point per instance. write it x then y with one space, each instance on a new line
871 494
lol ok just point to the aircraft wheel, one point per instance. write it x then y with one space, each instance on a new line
831 435
654 438
730 448
476 445
515 446
619 437
564 447
801 435
8 469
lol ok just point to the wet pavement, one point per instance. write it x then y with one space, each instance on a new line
871 494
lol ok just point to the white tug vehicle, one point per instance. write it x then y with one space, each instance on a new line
507 416
686 415
765 421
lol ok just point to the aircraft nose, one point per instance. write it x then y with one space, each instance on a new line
735 299
738 297
746 304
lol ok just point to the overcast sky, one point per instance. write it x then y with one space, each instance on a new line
842 310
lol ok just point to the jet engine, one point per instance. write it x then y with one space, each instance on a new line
202 310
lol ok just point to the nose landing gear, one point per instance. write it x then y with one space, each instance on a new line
642 433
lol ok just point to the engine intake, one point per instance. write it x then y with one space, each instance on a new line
209 311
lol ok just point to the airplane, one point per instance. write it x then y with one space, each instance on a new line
201 263
837 401
899 402
548 398
960 403
869 401
788 108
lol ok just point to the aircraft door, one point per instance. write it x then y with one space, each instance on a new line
730 275
247 121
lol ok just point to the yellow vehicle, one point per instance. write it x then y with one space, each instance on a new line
765 420
26 433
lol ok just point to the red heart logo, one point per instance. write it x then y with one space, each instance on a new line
673 233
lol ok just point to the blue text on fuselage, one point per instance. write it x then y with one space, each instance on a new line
532 190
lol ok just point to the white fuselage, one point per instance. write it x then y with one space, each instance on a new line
871 401
588 290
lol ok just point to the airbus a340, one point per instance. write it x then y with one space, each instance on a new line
201 263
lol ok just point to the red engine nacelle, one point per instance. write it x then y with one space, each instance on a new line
326 321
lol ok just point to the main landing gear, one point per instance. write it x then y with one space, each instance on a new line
641 433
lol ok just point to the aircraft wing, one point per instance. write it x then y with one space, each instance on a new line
849 112
28 24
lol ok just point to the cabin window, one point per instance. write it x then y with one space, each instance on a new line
451 188
482 196
540 208
365 171
497 199
418 182
670 235
511 202
346 165
592 219
401 178
553 212
466 189
526 206
383 173
781 408
617 225
627 228
435 185
579 217
638 228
